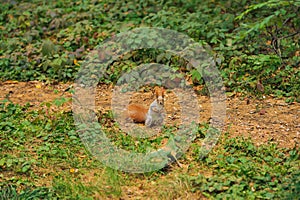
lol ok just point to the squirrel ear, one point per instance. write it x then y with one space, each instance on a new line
160 91
163 91
156 91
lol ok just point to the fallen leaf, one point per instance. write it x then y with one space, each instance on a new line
76 62
11 82
262 112
73 170
260 86
38 86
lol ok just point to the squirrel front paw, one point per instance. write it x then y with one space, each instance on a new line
148 122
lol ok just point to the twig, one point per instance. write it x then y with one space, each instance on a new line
290 35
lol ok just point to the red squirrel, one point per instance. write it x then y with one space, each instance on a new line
153 116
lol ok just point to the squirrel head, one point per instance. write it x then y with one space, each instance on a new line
160 94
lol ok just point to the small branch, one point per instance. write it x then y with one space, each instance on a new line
290 35
286 21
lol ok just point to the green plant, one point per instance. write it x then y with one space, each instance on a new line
10 192
243 170
53 47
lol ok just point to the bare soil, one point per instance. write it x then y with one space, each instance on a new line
266 120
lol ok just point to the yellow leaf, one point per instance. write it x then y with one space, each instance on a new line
27 23
76 62
38 86
72 170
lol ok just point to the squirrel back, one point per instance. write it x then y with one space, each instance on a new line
137 113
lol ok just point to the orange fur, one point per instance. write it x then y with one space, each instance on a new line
138 113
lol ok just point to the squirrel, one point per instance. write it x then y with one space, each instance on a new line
154 116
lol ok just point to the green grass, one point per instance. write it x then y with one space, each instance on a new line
41 156
48 41
10 193
244 171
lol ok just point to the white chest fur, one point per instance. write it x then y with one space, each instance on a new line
155 115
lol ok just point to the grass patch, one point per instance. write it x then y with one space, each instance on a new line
10 192
255 43
42 157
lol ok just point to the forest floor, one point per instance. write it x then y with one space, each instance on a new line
266 119
263 120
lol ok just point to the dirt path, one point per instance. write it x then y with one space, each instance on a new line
265 120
